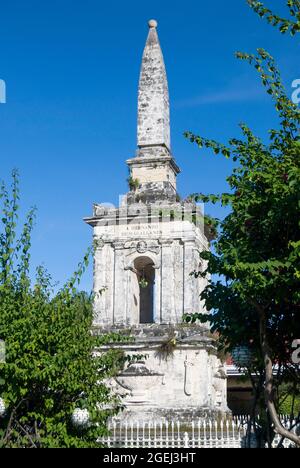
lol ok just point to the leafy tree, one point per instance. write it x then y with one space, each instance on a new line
52 366
289 402
257 251
291 25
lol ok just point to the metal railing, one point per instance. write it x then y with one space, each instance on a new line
201 433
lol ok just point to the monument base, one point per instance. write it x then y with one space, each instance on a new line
178 374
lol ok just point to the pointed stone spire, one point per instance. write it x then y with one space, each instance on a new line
153 100
154 169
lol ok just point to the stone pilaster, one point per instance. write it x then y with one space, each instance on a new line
188 287
120 282
101 315
103 283
157 294
196 281
178 275
167 282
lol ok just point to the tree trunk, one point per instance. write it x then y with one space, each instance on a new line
269 384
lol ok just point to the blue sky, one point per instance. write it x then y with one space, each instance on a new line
71 71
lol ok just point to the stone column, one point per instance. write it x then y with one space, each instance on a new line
157 295
167 283
188 286
109 259
178 269
103 283
196 282
101 314
120 277
127 304
132 311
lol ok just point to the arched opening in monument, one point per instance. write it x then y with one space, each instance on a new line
144 268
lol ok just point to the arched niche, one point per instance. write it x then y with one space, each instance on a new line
144 269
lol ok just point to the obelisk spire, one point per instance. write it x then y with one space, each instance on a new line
153 100
153 170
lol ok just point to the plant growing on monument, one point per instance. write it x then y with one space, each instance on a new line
133 183
166 350
143 283
257 251
51 367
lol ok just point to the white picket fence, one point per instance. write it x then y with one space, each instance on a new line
203 433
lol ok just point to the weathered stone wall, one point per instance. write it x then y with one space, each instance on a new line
173 248
188 382
152 172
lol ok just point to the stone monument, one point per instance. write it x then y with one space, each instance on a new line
146 250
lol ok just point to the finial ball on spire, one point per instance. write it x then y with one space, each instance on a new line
152 23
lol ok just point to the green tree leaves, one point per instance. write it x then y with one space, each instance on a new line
51 365
291 25
257 250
